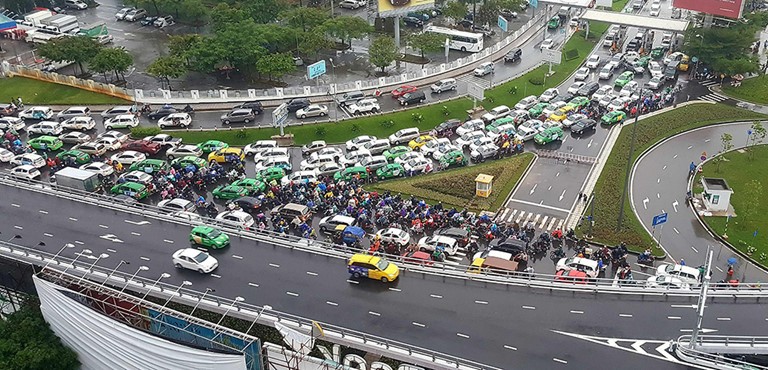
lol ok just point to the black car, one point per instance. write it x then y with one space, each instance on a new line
162 112
461 235
298 103
583 125
148 21
412 98
514 56
509 245
413 22
566 97
247 204
447 128
588 89
255 106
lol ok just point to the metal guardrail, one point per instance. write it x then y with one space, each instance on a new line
521 279
715 361
207 301
727 343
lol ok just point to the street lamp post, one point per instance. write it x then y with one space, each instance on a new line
122 262
85 251
698 59
629 162
207 290
183 284
263 308
63 247
702 300
237 300
141 268
103 255
162 276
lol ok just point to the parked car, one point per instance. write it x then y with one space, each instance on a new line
402 90
313 110
352 4
254 105
164 21
350 98
444 85
36 113
135 15
412 98
120 15
297 103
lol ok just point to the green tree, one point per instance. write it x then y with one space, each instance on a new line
311 42
726 142
182 45
756 137
304 18
27 342
426 42
347 28
265 11
116 60
239 45
224 14
382 52
275 65
488 13
753 192
167 67
455 10
78 49
725 49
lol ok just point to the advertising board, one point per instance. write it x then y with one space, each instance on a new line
721 8
391 8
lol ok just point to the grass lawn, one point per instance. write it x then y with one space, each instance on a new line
649 131
38 92
738 170
618 5
751 90
456 187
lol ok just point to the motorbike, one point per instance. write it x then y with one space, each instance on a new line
645 259
439 254
211 210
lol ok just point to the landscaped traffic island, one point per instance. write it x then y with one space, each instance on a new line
42 93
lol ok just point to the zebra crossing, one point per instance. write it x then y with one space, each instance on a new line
709 82
713 97
540 221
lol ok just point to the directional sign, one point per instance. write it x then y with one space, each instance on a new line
279 116
316 70
503 24
552 56
660 219
476 91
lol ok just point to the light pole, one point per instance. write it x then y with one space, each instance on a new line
698 59
207 290
141 268
162 276
183 284
122 262
85 251
702 300
103 255
333 83
263 308
237 300
63 247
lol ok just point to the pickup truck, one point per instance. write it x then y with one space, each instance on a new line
165 140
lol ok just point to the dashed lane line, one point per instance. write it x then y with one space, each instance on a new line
529 307
103 226
15 205
216 276
48 235
462 335
253 285
237 257
436 296
79 242
577 312
168 241
43 211
110 250
135 233
419 324
723 319
481 302
274 265
373 313
395 289
310 273
352 281
674 317
18 227
625 315
144 258
331 303
555 359
510 348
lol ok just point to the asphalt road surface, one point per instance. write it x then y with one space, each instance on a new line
503 327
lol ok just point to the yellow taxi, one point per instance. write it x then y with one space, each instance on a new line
222 154
372 267
420 141
561 114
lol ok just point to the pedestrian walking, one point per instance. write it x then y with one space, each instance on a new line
682 262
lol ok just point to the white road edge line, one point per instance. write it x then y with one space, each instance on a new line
374 313
510 347
292 294
555 359
529 308
419 324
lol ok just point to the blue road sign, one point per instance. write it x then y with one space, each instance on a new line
660 219
534 3
315 70
503 24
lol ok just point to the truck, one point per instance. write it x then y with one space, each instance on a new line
93 30
62 23
41 36
78 179
36 18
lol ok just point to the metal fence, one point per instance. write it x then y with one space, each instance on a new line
441 270
712 360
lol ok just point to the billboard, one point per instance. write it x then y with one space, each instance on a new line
720 8
391 8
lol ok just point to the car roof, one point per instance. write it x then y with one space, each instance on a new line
189 252
366 258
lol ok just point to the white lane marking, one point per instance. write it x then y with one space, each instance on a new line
462 335
557 174
395 290
331 303
110 250
723 319
436 296
15 205
718 268
135 233
549 188
658 180
79 242
675 229
419 324
481 302
555 359
683 306
138 222
216 276
707 140
577 312
18 227
352 281
510 348
374 313
168 241
310 273
253 285
202 249
43 212
625 315
673 317
533 189
529 308
675 156
48 235
274 265
144 258
689 147
658 196
694 249
664 168
236 256
103 226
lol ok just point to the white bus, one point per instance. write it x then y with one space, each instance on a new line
460 40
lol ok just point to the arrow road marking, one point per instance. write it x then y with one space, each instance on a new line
590 143
645 203
111 237
638 346
533 189
675 204
138 222
562 195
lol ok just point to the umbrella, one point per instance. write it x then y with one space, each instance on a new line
732 261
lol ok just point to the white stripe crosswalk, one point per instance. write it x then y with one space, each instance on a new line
709 82
713 97
539 221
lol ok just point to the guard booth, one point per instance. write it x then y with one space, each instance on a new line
483 185
717 194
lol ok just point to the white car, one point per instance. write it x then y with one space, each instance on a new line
667 282
485 140
72 112
465 140
573 118
36 113
122 137
483 69
26 171
432 145
370 105
547 44
177 205
188 216
33 159
403 159
394 235
100 168
656 69
193 259
619 103
313 110
655 9
352 4
129 157
687 274
549 94
140 177
332 151
270 153
552 108
581 74
315 160
258 146
654 83
593 62
183 151
498 112
121 121
577 263
75 137
236 218
417 165
92 148
507 128
299 177
358 142
110 143
12 123
574 88
5 155
606 100
469 126
181 119
353 157
82 123
527 102
443 150
602 91
282 162
46 128
313 146
120 15
429 243
629 89
328 169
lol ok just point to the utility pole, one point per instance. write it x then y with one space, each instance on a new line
629 163
702 300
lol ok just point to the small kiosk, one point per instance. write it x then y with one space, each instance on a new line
483 185
717 194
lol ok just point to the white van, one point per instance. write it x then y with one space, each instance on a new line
577 263
374 162
377 146
687 274
447 84
404 135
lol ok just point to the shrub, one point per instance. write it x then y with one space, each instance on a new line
387 123
141 132
355 127
536 80
320 131
571 54
446 111
417 117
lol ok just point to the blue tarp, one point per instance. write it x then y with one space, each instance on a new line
6 23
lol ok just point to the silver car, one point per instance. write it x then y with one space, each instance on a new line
313 110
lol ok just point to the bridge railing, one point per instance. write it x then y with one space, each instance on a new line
338 251
711 360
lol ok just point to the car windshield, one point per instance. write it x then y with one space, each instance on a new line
382 264
200 257
213 234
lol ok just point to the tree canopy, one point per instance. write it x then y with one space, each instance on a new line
382 52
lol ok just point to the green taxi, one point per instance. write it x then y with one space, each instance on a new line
150 165
537 109
455 157
643 61
549 135
207 236
212 146
392 153
579 102
46 143
624 79
80 157
253 185
270 174
554 22
390 171
658 53
188 160
613 117
350 172
131 189
499 122
227 192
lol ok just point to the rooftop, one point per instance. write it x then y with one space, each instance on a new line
715 184
654 23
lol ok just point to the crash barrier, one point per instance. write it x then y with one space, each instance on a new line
681 348
11 70
583 159
103 279
444 270
727 344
